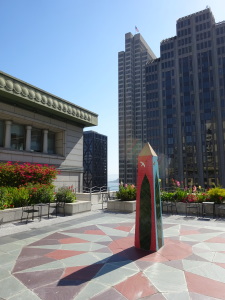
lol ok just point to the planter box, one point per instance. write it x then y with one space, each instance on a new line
77 207
181 209
10 215
123 206
14 214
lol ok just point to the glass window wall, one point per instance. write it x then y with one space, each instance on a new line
17 137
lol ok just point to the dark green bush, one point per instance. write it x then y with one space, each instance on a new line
65 194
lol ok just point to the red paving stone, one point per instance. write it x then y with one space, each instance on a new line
124 228
205 286
175 251
97 232
61 254
121 244
72 240
85 273
187 232
216 240
136 287
222 265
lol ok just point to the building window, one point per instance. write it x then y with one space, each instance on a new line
1 133
51 142
17 137
36 140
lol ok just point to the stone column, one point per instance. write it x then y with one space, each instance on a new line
45 141
8 134
28 138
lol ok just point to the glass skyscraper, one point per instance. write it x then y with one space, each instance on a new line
94 160
185 102
132 104
182 111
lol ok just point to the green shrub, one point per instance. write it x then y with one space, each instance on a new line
65 194
167 196
40 193
13 197
217 195
180 195
23 195
202 197
126 192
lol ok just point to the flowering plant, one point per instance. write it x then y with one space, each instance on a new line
126 192
40 193
66 194
17 174
191 198
30 194
217 195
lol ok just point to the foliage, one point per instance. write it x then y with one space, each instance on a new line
40 193
66 194
203 197
30 194
217 194
127 192
191 198
194 194
180 195
15 175
167 196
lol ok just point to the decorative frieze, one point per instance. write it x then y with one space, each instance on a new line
37 97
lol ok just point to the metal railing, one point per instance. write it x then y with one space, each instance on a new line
105 193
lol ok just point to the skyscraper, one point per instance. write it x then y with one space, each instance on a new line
185 102
132 103
95 160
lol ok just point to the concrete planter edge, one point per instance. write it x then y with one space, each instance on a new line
14 214
123 206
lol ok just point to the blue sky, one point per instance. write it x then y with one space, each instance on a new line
70 47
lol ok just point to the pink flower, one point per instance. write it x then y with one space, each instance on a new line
194 189
178 183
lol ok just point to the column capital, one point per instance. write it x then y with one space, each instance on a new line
8 122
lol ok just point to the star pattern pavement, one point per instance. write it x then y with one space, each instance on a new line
99 261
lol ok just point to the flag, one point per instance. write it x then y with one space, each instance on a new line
136 29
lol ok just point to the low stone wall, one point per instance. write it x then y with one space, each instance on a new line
14 214
77 207
123 206
181 209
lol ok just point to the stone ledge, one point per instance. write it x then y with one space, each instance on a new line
14 214
77 207
124 206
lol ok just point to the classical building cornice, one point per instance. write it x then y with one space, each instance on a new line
20 92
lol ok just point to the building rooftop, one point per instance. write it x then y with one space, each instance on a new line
25 95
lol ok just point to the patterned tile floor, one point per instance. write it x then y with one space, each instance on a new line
94 258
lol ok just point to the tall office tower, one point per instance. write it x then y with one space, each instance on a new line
94 160
185 96
132 105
